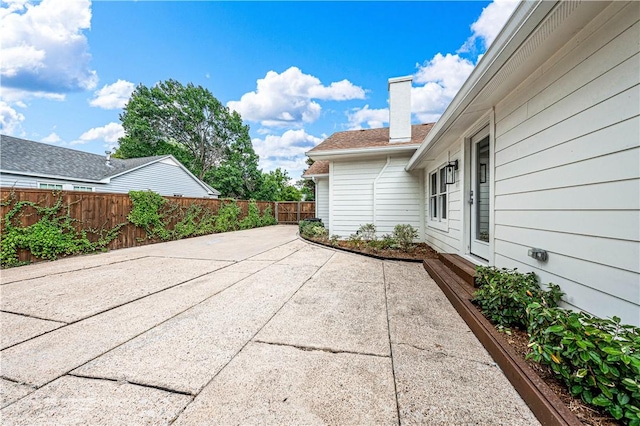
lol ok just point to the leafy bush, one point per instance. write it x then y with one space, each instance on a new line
404 236
598 359
367 232
309 229
267 217
356 240
504 294
228 214
252 220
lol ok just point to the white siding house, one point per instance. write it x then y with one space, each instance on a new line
544 138
29 164
557 97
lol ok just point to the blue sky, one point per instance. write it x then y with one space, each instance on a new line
296 71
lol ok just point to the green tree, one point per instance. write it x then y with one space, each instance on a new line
238 176
276 187
186 121
307 186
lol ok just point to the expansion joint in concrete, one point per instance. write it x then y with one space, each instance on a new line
318 349
393 368
144 385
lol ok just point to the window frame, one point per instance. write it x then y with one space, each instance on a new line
84 188
48 185
438 199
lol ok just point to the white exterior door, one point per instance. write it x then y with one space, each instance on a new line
479 195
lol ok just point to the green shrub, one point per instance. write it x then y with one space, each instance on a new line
367 232
598 359
252 219
504 294
312 230
267 217
355 240
228 214
404 235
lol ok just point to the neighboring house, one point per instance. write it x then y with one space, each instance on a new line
545 135
29 164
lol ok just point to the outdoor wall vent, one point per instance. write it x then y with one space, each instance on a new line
539 254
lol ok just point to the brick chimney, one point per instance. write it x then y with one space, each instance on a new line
400 109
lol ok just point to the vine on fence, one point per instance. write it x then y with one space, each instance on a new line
58 234
55 234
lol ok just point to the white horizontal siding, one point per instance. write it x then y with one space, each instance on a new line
322 200
165 179
359 187
352 203
17 181
568 168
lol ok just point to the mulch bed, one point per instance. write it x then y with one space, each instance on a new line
587 414
420 251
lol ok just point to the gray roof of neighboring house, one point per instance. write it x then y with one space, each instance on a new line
21 155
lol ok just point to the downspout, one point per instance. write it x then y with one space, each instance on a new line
375 184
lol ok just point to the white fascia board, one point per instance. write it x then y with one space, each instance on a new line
41 175
523 21
311 177
338 154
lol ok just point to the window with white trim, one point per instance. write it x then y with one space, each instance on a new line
438 196
50 186
82 188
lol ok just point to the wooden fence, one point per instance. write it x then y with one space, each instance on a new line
294 211
104 211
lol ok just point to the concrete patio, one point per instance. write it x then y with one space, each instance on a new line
247 327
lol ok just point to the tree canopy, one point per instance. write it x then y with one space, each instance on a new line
189 123
170 118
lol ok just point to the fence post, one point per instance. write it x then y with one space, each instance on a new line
298 211
277 215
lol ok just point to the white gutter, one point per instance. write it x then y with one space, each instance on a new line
341 153
522 22
313 177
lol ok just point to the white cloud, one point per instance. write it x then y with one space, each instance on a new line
10 120
52 138
285 151
109 134
373 117
44 48
489 24
113 96
441 78
287 99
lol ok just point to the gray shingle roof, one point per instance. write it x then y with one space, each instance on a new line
21 155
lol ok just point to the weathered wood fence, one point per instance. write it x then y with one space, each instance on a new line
104 211
294 211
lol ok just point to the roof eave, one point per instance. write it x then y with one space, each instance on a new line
339 154
318 175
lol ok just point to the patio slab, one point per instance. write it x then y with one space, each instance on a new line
18 328
333 315
352 268
73 400
87 292
184 353
267 384
11 392
40 360
439 389
422 316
